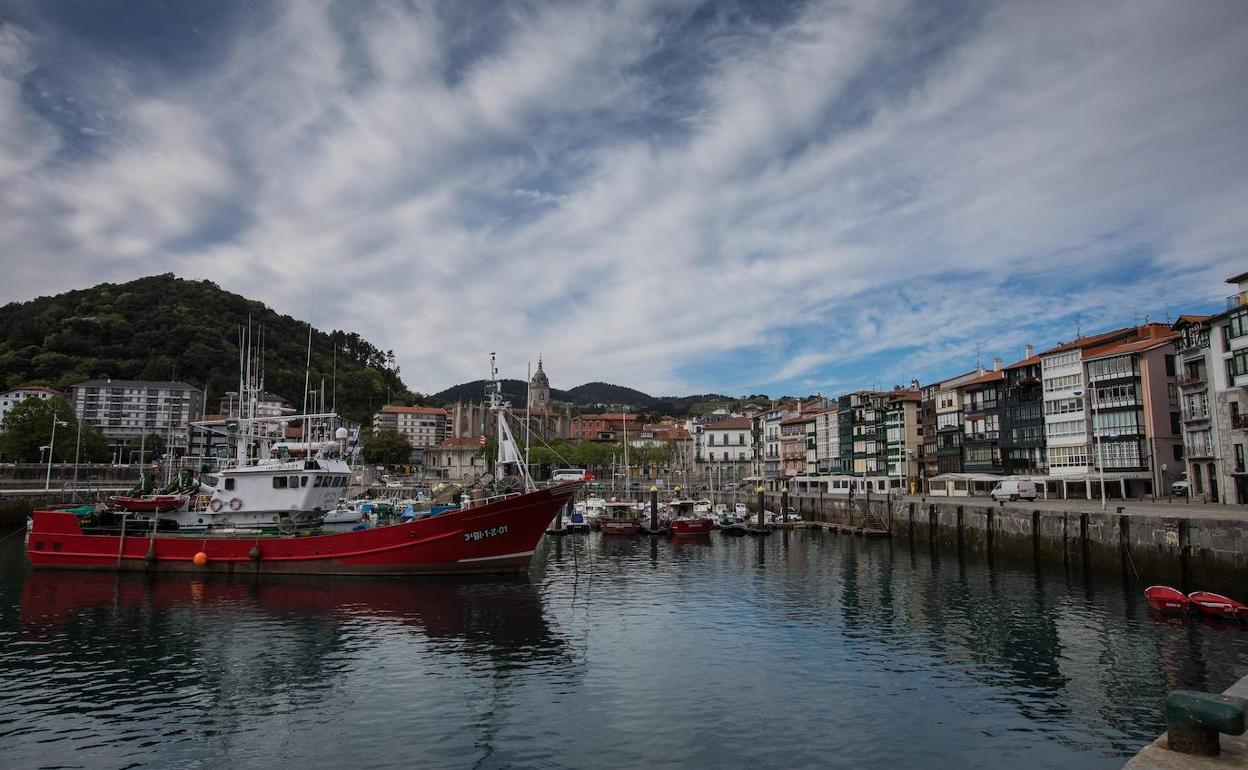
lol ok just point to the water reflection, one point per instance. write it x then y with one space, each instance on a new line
617 650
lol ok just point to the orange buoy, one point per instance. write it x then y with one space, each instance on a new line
200 559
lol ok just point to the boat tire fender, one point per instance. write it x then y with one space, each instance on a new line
235 504
215 506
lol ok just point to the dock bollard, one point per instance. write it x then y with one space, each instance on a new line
1194 720
761 504
654 506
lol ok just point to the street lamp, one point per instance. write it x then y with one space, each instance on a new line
1096 439
47 482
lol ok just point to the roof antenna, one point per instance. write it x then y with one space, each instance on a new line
1078 328
979 347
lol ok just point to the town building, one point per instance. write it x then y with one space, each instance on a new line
863 435
902 438
423 426
1214 379
767 437
926 458
548 419
125 410
608 427
982 400
11 398
793 443
827 442
456 458
949 430
1112 408
1022 418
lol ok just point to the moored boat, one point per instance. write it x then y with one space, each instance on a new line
619 518
497 534
1218 606
688 518
1165 599
147 503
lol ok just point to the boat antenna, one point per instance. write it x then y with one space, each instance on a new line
307 368
335 375
528 406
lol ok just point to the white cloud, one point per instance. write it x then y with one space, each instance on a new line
655 198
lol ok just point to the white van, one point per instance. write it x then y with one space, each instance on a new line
1014 489
568 474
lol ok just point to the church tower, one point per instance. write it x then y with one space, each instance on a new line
539 388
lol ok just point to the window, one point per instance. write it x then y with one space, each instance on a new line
1170 365
279 482
1061 359
1237 365
294 482
1239 458
1120 454
303 481
1178 452
1118 422
1116 395
229 484
1064 406
1174 424
1237 324
1068 456
1063 383
1065 429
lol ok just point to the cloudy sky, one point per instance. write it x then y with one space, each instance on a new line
678 196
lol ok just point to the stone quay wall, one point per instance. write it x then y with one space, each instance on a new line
1188 552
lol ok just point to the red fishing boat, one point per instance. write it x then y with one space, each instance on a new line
491 535
687 521
1167 600
1218 606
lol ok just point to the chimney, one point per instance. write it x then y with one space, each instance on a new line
1028 350
997 363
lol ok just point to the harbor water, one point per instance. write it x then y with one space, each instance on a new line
802 649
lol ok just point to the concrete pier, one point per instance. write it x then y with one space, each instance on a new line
1156 756
1198 549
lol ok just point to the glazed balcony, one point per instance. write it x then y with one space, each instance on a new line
1237 300
1195 415
1192 379
1201 451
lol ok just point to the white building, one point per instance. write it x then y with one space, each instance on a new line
767 450
11 398
827 442
124 410
727 441
1221 448
424 426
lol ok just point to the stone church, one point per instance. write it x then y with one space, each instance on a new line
548 419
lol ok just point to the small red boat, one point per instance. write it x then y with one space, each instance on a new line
1218 606
1165 599
497 535
147 503
686 520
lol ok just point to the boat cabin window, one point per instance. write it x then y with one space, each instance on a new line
318 482
294 482
303 481
229 483
279 482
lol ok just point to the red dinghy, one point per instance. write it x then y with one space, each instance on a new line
1170 601
492 535
1218 606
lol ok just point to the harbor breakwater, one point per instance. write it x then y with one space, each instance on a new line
1187 551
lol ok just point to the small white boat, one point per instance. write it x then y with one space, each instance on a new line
346 512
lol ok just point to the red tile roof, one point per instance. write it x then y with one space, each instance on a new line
988 377
1032 361
1134 346
460 443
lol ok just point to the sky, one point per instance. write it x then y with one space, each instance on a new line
682 197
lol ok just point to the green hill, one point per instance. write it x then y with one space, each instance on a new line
590 396
162 327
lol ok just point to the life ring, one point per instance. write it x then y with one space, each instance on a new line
235 504
216 506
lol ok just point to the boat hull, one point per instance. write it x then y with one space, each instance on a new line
619 527
495 537
1166 600
692 527
1218 606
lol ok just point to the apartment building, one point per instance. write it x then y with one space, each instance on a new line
1111 406
423 426
793 443
902 437
864 440
1022 418
827 442
983 401
11 398
1203 458
949 431
767 437
727 440
124 410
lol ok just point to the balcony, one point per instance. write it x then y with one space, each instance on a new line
1239 422
1195 415
1237 300
1198 450
1191 379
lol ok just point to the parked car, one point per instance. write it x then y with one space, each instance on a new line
1014 489
1182 486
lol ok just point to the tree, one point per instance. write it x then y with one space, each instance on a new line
144 450
28 426
387 447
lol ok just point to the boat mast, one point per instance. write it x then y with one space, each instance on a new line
627 468
508 454
528 405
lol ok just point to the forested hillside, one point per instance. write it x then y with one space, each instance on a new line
162 327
